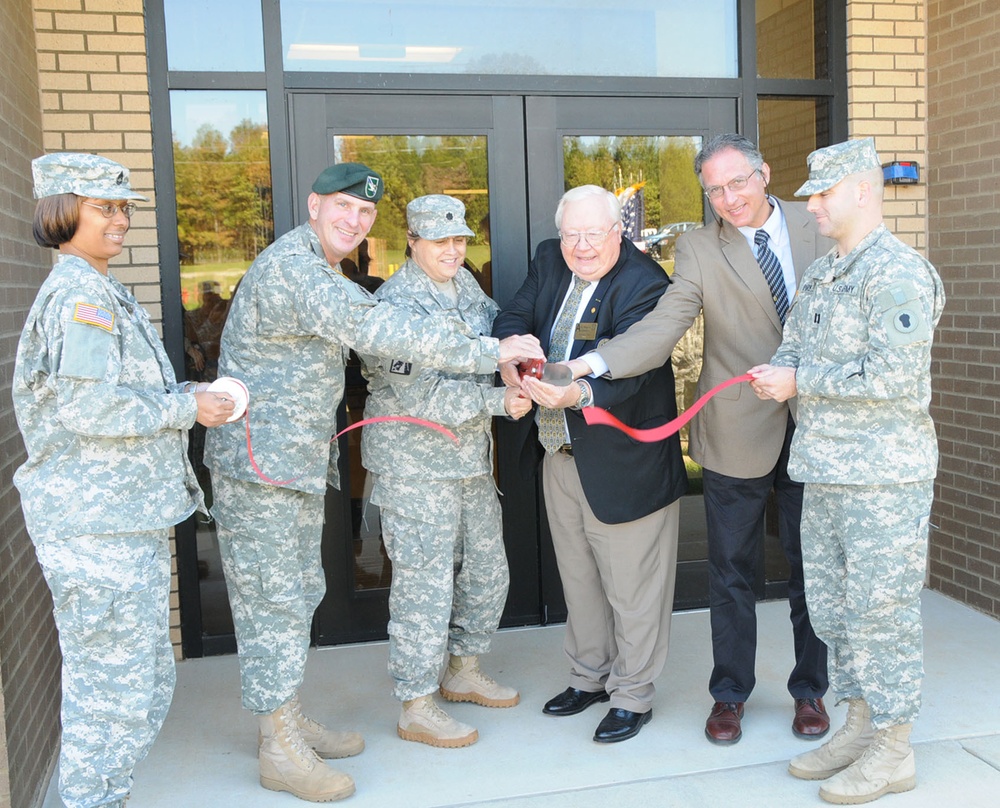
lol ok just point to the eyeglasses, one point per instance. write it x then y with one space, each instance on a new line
595 238
734 185
110 209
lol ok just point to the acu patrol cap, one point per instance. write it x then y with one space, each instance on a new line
829 166
436 216
355 179
81 174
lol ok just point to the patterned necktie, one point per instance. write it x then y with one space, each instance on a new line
771 267
552 423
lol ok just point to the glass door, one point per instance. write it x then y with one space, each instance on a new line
642 149
509 158
470 147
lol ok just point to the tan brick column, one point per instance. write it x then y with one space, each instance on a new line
887 97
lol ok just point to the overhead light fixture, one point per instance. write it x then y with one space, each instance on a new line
371 53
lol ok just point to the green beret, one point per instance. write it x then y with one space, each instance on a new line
350 178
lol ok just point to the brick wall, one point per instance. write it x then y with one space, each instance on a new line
29 653
95 98
887 99
964 244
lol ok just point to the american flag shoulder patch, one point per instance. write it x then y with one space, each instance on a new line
89 314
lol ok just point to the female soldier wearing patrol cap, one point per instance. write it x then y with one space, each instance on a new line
440 513
105 425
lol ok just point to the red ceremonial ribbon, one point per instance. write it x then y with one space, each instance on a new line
596 415
363 422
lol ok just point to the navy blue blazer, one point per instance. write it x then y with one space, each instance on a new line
623 479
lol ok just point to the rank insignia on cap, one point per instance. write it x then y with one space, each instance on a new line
89 314
371 187
400 368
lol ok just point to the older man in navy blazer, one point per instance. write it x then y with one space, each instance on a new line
741 442
612 502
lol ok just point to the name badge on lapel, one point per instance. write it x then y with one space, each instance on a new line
585 331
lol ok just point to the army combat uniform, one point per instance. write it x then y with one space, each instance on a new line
107 474
859 334
293 320
441 519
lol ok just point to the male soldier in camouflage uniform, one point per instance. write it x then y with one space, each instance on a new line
292 321
857 352
440 514
105 425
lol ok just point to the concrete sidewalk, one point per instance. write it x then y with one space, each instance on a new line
206 753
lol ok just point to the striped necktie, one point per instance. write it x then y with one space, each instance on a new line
771 267
552 423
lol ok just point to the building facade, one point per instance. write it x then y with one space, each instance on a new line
225 133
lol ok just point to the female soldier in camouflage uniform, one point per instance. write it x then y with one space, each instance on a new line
439 508
105 426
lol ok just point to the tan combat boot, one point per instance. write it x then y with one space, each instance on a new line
845 747
423 721
885 767
287 763
327 743
463 681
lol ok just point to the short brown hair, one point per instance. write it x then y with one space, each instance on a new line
56 218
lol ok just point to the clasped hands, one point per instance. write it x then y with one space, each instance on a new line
528 389
772 382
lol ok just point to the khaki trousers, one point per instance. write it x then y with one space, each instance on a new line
619 586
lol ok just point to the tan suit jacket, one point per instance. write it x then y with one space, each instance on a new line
715 271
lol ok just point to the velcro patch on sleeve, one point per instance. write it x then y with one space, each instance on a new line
902 315
399 367
85 352
89 314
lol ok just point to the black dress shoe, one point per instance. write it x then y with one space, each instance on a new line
572 701
620 725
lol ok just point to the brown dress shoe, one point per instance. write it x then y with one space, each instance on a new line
723 725
811 720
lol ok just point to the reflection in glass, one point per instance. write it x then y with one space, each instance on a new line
193 35
414 165
790 128
661 198
411 166
557 37
792 39
222 179
653 176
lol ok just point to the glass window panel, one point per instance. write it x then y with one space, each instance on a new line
193 35
557 37
222 180
655 178
788 129
792 39
411 166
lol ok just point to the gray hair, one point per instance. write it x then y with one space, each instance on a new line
729 140
584 192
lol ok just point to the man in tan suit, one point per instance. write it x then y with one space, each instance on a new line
740 441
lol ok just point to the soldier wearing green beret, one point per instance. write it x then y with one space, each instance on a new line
857 353
105 425
292 321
